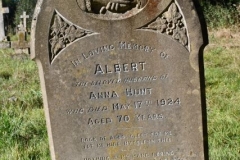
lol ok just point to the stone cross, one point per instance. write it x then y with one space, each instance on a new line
2 11
21 27
24 16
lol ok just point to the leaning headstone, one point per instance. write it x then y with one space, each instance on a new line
121 79
2 11
21 46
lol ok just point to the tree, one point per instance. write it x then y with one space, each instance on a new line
17 7
9 18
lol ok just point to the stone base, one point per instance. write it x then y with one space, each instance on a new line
5 45
20 45
22 51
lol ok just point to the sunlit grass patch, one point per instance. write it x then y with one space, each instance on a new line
222 71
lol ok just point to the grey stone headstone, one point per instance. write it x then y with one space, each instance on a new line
2 11
121 80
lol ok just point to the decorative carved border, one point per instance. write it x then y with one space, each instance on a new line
171 23
62 34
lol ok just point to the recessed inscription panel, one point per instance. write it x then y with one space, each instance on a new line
123 108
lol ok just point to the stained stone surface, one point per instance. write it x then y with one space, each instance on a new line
121 80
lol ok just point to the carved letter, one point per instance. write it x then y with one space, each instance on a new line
98 69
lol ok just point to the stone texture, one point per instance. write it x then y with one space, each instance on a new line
4 44
121 80
21 43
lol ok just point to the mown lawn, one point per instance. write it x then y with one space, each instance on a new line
222 73
23 133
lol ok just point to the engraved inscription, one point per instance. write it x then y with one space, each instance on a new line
141 117
103 95
125 139
96 51
117 68
99 51
118 81
135 46
98 121
128 92
118 106
129 105
97 109
169 102
138 91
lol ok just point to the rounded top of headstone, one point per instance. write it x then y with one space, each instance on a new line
111 9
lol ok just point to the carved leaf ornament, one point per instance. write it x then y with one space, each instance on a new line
171 23
62 34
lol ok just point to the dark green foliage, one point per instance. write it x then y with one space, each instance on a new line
221 2
27 6
221 13
16 8
9 18
218 13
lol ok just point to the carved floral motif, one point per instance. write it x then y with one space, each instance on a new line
171 23
63 33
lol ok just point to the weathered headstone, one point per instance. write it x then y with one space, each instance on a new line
24 16
121 79
2 11
21 46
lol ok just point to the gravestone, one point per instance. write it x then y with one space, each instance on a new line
121 80
2 11
21 46
24 16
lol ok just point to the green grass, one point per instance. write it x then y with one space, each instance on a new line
22 125
23 133
222 73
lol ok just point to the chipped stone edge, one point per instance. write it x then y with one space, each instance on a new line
33 28
41 73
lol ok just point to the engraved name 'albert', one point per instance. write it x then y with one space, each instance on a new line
117 68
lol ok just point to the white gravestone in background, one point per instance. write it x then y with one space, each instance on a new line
24 16
2 11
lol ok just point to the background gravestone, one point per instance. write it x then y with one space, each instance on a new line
121 80
21 46
24 16
2 11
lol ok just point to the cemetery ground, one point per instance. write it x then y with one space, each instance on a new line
23 134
